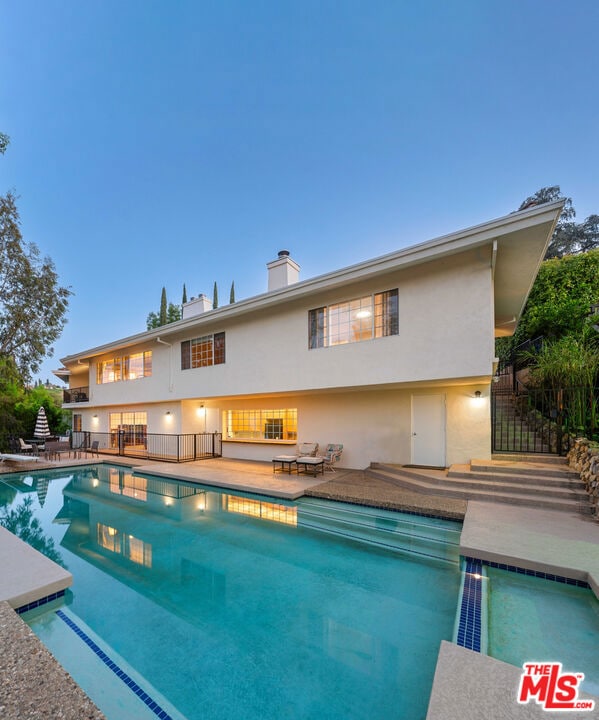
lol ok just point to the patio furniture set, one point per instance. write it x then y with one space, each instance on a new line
307 460
50 449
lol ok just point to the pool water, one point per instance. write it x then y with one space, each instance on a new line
225 605
555 623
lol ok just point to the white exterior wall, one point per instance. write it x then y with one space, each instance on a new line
445 332
358 394
373 425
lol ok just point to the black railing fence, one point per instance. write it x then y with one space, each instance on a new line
151 446
543 420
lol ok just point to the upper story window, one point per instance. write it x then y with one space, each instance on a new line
203 351
364 318
127 367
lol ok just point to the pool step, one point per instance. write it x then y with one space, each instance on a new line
388 529
530 484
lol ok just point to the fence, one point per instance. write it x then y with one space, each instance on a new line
542 419
152 446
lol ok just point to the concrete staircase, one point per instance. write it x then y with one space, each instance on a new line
539 481
513 433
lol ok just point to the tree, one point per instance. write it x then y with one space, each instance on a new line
27 407
4 140
173 313
184 299
163 308
560 301
11 391
215 296
32 302
232 293
569 237
169 312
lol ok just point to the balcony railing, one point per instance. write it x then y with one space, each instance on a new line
76 395
151 446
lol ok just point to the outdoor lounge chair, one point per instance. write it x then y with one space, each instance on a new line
331 456
25 448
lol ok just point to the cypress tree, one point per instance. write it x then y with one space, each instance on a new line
215 296
232 294
184 299
163 317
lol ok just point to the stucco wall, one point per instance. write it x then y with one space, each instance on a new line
372 425
445 331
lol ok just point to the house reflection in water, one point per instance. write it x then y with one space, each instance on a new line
105 501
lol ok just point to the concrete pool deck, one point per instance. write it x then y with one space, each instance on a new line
546 540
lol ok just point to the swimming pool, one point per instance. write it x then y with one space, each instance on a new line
224 605
221 605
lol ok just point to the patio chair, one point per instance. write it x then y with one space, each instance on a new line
93 449
25 448
331 456
307 449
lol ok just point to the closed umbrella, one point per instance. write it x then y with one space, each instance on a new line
42 431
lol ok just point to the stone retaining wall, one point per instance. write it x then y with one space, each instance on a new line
584 458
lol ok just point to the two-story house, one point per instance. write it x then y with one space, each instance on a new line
392 357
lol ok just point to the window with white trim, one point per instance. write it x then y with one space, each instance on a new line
278 424
363 318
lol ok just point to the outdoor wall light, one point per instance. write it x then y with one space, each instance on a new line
95 416
201 410
477 394
168 412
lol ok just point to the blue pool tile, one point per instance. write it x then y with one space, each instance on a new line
531 573
40 601
152 704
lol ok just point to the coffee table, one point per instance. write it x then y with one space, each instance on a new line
284 460
310 462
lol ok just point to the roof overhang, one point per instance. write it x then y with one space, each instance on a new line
518 243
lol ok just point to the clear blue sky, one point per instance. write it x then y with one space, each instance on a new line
162 142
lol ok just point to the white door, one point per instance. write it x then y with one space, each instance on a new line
428 430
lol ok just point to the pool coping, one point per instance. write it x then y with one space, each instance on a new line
28 578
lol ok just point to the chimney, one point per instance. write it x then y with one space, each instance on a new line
196 306
282 272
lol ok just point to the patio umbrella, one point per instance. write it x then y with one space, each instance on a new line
42 430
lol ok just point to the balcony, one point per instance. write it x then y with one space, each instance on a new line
76 395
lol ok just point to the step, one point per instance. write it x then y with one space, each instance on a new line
544 458
434 486
388 529
520 470
512 484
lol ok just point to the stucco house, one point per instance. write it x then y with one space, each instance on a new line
393 356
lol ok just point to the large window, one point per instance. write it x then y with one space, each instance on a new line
364 318
129 429
260 424
203 351
127 367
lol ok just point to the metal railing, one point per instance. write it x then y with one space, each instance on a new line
151 446
73 395
543 419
